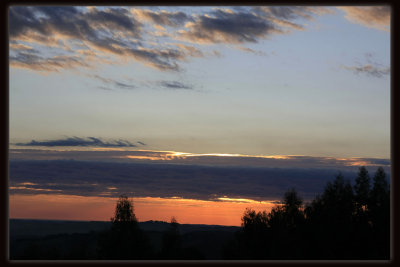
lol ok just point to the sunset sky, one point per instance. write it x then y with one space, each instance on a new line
253 80
310 85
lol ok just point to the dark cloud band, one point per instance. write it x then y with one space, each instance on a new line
76 141
165 180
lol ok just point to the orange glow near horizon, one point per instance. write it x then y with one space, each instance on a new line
225 211
171 155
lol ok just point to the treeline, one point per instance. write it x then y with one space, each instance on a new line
344 222
126 241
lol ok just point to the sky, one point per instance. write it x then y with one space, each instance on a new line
194 112
284 80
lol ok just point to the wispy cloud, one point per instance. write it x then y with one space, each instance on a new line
369 70
288 13
77 141
238 26
377 17
87 37
113 30
113 82
225 26
31 60
252 51
174 85
165 18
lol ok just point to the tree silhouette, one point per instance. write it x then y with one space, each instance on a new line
380 213
331 217
362 192
125 240
124 212
286 225
254 237
276 235
171 242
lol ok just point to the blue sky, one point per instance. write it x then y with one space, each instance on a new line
287 80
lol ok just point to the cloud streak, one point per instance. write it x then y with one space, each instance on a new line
369 70
240 26
175 85
87 37
377 17
227 27
77 141
165 18
114 31
114 83
31 60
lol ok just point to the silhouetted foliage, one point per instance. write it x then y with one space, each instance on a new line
362 192
343 222
125 240
171 242
338 224
380 213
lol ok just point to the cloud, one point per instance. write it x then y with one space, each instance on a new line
114 82
292 12
145 173
240 26
235 160
162 59
249 50
111 31
22 47
165 18
288 17
31 60
377 17
190 50
76 141
167 180
369 70
224 26
115 19
72 22
174 85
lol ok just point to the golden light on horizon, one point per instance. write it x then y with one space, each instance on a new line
130 153
224 211
172 155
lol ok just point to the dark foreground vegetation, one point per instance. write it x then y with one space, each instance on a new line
344 222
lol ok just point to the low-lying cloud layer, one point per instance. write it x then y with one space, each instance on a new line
171 157
142 173
166 180
77 141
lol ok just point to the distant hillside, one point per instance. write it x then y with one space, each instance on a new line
52 239
22 228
